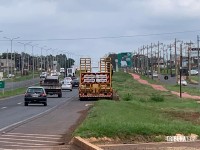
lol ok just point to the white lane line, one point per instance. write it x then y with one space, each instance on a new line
3 107
36 137
19 103
42 146
14 139
22 143
45 135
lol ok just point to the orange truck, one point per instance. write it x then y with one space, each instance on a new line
95 84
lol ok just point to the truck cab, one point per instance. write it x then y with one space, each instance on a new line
52 85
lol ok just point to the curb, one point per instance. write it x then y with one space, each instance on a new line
85 145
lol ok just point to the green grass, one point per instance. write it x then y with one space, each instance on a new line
196 78
12 92
141 111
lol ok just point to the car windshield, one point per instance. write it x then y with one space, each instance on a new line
75 80
35 90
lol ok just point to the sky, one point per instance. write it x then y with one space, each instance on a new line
95 28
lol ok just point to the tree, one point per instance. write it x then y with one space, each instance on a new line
113 56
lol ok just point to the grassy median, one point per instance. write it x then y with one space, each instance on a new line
142 114
11 93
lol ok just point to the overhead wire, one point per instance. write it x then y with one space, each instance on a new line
108 37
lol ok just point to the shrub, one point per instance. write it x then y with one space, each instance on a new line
127 97
157 98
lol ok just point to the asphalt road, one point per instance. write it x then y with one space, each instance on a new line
38 126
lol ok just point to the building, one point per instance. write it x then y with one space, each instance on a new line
6 65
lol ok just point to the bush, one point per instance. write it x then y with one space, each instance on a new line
157 98
127 97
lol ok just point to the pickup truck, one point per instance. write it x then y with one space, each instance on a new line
52 85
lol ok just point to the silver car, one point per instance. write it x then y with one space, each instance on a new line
66 85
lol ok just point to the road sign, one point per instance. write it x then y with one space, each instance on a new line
2 84
166 77
125 59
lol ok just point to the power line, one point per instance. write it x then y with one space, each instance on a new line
109 37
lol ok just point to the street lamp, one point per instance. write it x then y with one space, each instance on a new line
11 42
33 65
152 46
23 57
176 66
198 59
41 57
48 58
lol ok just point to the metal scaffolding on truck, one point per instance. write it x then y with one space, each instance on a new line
95 84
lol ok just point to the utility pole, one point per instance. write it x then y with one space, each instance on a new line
164 64
33 63
198 60
158 58
11 45
151 63
143 60
23 57
176 70
180 70
189 60
170 46
138 61
7 63
41 59
147 61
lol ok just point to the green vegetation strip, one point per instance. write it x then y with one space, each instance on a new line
12 92
142 114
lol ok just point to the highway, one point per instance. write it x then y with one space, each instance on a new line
38 126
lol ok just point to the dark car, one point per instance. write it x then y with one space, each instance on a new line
35 95
75 82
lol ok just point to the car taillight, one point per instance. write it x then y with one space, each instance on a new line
43 94
26 94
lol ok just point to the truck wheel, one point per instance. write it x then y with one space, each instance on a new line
25 104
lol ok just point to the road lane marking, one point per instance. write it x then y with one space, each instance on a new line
44 135
42 146
22 136
29 140
3 107
22 143
19 103
89 105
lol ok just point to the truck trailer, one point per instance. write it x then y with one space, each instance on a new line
95 84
